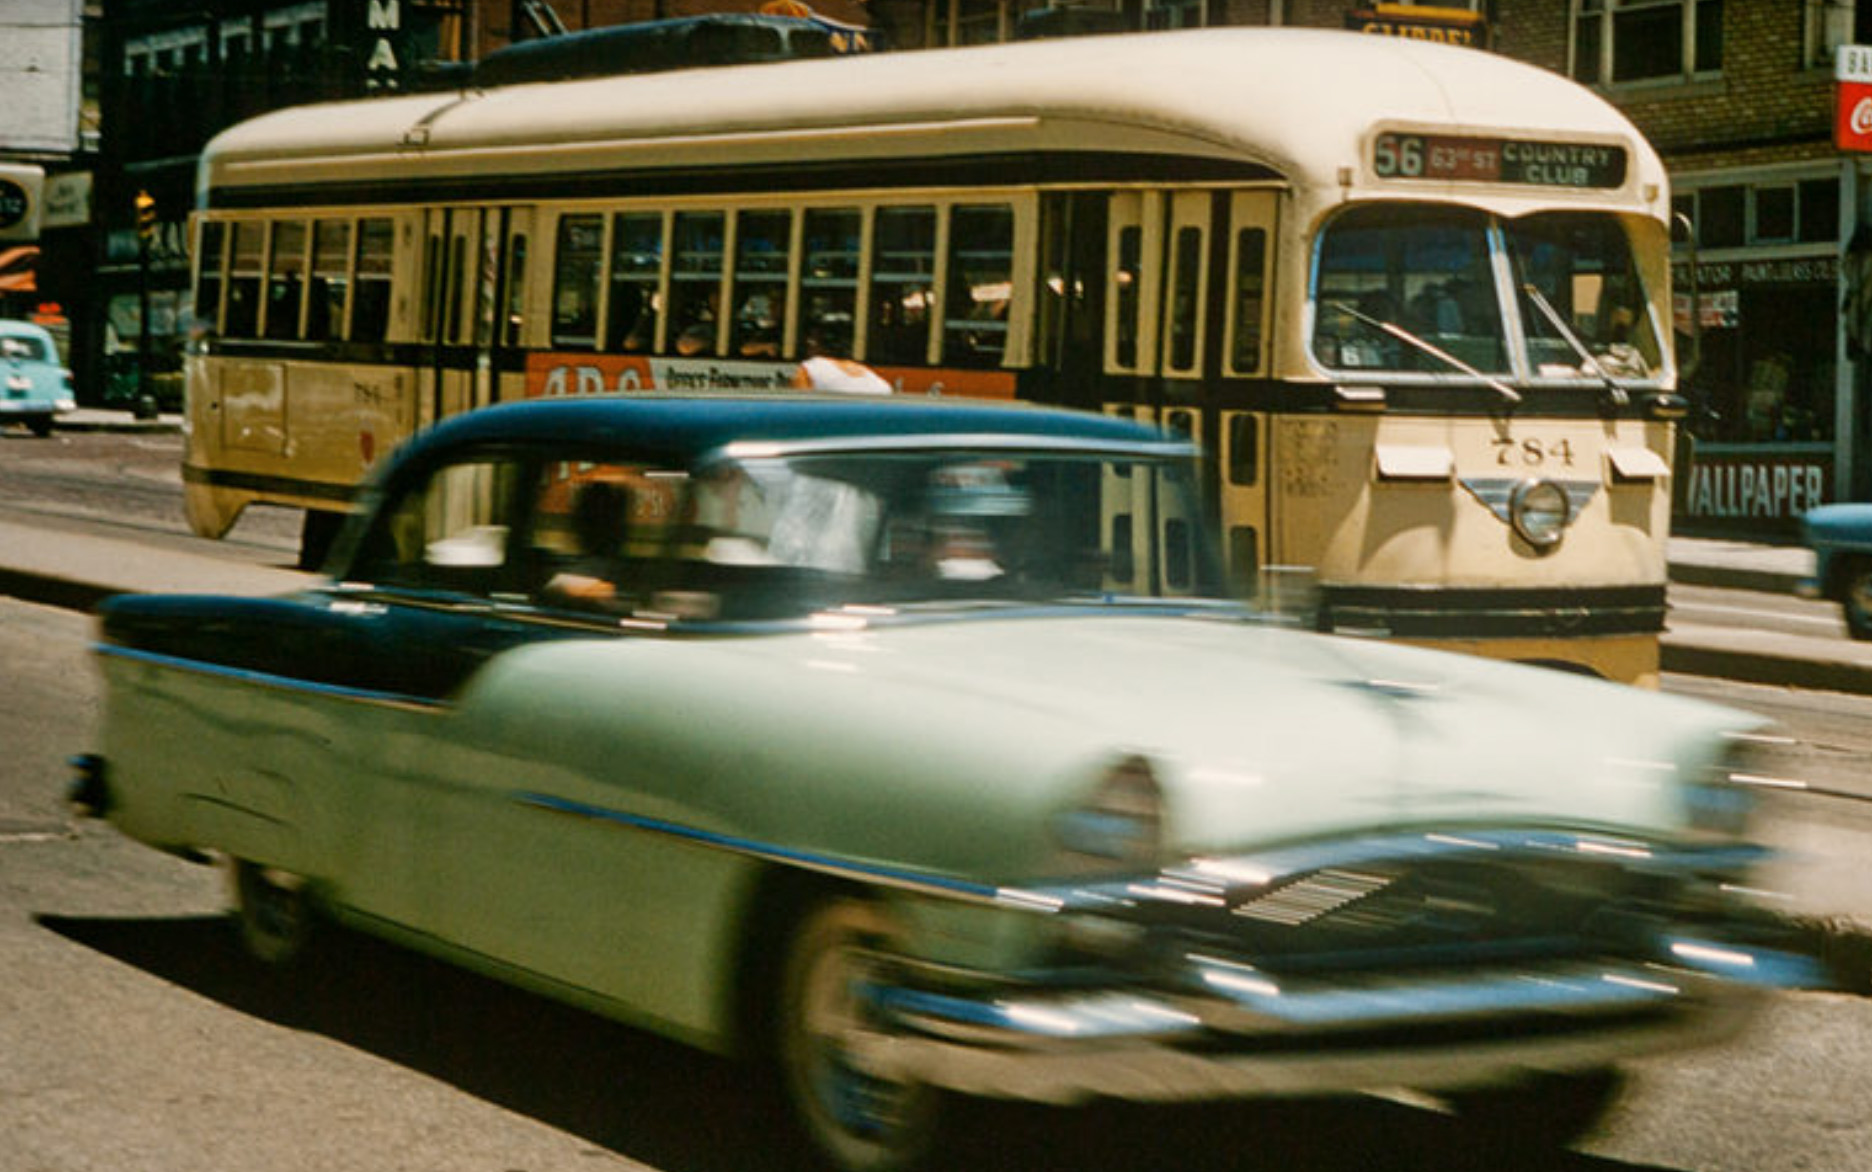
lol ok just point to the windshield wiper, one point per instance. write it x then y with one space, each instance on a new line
1437 352
1617 394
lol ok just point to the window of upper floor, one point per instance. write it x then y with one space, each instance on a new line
1828 24
1627 42
1795 210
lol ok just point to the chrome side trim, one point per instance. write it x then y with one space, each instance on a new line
895 878
1178 884
270 680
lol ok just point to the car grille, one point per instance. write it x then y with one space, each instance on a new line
1401 908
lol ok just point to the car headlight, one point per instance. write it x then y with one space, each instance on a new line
1540 512
1120 824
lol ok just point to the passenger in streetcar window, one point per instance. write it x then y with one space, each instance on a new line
633 307
697 335
757 327
822 370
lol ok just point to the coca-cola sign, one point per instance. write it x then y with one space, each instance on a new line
1852 104
1852 124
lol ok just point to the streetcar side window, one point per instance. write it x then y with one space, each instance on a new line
832 238
246 267
1133 276
1185 303
514 316
370 295
331 259
211 243
578 264
763 251
1250 300
903 284
636 274
979 284
286 279
695 282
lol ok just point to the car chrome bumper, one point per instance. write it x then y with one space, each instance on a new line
1239 1033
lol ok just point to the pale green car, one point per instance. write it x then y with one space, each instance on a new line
901 744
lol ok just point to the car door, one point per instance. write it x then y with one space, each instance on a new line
434 592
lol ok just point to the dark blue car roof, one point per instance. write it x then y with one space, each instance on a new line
678 426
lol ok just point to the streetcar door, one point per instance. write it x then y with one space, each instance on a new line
466 256
502 333
1240 438
1072 315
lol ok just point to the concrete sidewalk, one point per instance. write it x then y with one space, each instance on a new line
1833 663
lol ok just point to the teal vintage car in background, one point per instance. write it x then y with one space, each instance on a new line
903 745
1841 537
35 386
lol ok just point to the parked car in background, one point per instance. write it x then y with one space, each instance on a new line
903 744
1841 538
35 386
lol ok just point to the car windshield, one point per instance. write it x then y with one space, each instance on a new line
1411 289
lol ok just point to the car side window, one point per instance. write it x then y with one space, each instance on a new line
449 533
597 531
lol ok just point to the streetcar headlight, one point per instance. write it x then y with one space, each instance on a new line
1540 511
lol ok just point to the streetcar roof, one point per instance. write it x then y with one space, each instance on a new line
1296 104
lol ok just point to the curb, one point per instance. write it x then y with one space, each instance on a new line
95 421
1757 667
1735 578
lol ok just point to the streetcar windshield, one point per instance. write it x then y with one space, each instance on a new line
1433 290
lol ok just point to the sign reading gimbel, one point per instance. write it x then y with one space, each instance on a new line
1852 116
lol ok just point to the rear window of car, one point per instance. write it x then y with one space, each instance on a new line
30 348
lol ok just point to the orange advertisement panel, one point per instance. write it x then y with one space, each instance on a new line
597 374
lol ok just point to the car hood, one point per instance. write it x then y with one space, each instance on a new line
950 742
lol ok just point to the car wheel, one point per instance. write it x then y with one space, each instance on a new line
859 1120
1543 1111
271 909
1856 598
40 427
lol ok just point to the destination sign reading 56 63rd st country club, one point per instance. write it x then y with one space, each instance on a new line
1398 155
